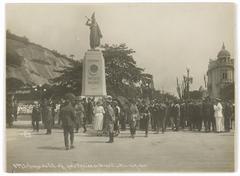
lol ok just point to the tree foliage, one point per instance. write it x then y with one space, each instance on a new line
122 73
70 79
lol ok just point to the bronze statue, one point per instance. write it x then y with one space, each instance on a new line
95 33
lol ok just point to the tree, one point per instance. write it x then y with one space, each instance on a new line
70 79
122 73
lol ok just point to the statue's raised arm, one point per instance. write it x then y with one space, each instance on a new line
95 32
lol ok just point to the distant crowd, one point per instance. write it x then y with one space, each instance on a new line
107 116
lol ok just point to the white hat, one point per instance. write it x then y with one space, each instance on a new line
218 99
109 98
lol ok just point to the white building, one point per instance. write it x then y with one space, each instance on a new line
220 72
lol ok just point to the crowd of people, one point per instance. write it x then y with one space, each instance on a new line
107 116
75 113
210 115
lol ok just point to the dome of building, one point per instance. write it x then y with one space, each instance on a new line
223 52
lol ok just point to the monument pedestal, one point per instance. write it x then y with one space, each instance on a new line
93 80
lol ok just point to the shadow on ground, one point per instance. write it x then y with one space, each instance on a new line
94 142
51 148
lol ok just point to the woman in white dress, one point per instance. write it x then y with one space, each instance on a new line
98 118
218 116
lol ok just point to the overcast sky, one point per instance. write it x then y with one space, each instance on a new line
167 38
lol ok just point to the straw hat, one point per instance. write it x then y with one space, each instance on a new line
109 99
218 99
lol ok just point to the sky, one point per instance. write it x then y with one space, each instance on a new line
167 37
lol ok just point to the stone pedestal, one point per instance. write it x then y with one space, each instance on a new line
93 80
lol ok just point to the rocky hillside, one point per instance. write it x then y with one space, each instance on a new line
31 64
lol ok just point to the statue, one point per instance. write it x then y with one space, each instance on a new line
95 33
93 75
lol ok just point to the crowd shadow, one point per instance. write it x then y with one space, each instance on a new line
99 142
39 134
51 148
129 136
226 134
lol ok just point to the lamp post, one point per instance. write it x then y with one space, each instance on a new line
189 81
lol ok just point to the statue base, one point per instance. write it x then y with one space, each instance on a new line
93 80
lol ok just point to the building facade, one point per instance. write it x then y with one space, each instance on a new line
220 73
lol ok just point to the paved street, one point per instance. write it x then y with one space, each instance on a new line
29 151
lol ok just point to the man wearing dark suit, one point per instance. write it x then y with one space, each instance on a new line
154 109
86 114
191 115
67 115
48 118
44 109
146 117
207 114
162 116
198 115
90 107
177 115
228 112
110 119
171 115
183 115
212 118
36 116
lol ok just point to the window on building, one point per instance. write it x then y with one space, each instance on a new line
224 75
